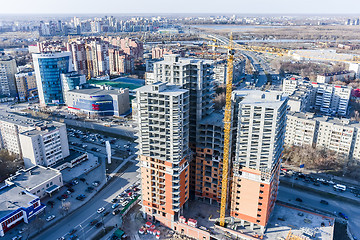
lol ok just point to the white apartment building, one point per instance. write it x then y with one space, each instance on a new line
38 142
339 135
45 145
326 98
301 129
11 125
162 117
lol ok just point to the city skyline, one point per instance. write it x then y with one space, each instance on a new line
187 6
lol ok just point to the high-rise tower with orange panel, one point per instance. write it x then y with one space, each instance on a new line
162 116
259 144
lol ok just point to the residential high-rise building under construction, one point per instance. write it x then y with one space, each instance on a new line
259 144
162 116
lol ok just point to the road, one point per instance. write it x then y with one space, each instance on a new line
81 217
312 200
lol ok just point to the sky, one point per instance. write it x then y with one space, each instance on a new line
180 6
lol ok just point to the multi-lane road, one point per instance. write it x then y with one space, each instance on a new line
80 219
312 200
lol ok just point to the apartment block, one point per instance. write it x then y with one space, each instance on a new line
26 85
194 75
44 145
301 129
38 142
335 76
207 166
325 98
324 132
259 144
7 76
162 117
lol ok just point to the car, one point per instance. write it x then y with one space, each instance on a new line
82 179
71 190
114 200
324 202
298 200
68 192
124 203
116 211
106 213
93 222
51 203
64 196
95 184
115 205
99 224
61 238
49 218
72 231
343 216
75 182
100 210
316 184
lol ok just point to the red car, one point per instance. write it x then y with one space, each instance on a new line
65 196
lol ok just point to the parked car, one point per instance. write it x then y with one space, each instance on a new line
106 213
124 203
49 218
72 231
114 200
298 200
324 202
100 210
343 216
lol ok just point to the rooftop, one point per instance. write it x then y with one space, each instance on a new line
328 119
216 119
32 177
96 91
43 129
19 120
13 197
169 90
261 98
175 58
73 155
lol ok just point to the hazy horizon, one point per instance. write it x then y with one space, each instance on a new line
91 7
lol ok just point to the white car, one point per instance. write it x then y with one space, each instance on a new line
100 210
124 203
49 218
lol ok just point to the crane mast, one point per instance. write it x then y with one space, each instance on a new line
227 132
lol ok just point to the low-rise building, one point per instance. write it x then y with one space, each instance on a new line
103 101
335 76
16 206
37 180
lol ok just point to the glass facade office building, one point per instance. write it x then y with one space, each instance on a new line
48 68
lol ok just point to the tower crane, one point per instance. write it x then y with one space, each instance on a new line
227 129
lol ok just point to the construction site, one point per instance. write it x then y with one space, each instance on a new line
210 174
